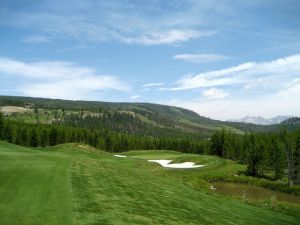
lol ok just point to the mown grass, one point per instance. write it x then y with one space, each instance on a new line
72 184
34 187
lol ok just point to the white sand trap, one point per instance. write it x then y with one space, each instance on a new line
185 165
121 156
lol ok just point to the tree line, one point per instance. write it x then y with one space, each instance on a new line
35 135
264 153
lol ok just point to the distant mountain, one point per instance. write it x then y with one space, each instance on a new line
292 123
262 121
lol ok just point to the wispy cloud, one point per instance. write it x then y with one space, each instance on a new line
36 39
59 79
150 23
214 93
274 72
141 22
135 96
200 58
167 37
153 84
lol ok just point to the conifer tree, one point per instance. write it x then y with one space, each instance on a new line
33 141
44 138
297 160
1 126
277 158
288 146
53 136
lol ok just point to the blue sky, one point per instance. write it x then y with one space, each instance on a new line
222 59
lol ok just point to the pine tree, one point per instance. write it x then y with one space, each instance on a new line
108 144
33 140
297 160
44 138
253 155
8 134
217 144
277 158
1 126
288 146
53 136
23 137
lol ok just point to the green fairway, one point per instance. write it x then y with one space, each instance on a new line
74 184
35 186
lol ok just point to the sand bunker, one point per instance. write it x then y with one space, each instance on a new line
212 187
121 156
185 165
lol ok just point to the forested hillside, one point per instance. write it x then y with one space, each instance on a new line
140 119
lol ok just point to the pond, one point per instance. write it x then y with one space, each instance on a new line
252 192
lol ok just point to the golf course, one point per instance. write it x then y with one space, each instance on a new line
77 184
137 112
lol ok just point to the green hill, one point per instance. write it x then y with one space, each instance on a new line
143 119
74 184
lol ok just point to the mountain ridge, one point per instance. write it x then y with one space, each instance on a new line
259 120
141 119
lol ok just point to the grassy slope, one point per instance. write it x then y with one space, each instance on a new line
68 184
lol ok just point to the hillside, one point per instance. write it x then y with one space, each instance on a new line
144 119
74 184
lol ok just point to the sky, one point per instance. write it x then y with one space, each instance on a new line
223 59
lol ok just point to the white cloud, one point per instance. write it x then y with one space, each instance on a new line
153 84
167 37
283 103
257 89
104 21
44 69
214 93
275 72
199 58
135 96
59 79
292 88
36 39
